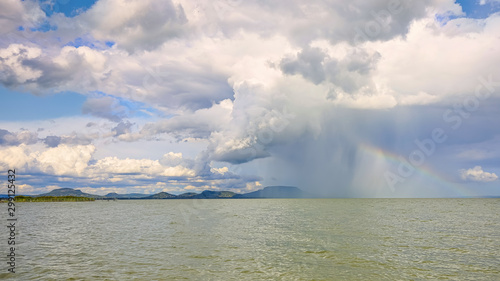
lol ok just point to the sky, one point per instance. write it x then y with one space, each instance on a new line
383 98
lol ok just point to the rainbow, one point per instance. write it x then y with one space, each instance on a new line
430 175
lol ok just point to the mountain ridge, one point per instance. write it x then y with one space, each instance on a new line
68 192
267 192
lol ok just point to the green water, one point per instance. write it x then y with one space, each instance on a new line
257 239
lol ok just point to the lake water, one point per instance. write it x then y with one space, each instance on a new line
257 239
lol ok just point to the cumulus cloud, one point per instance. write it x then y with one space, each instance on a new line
22 137
166 82
15 157
140 25
349 73
67 165
15 13
439 57
174 159
33 70
75 161
64 160
221 171
195 77
259 119
61 160
13 68
477 174
140 166
331 20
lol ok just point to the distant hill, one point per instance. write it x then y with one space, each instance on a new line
161 195
275 192
126 196
208 194
187 195
22 198
69 192
267 192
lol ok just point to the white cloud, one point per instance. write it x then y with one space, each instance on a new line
301 22
477 174
41 71
172 159
14 13
61 160
73 166
10 138
15 157
221 171
483 2
193 71
12 66
428 67
113 165
139 25
65 160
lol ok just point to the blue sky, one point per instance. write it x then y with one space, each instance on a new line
478 9
149 96
69 8
40 107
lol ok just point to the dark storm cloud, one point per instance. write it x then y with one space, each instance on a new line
309 63
349 73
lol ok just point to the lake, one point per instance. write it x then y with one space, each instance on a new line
257 239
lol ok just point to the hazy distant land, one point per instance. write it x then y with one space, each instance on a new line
74 195
23 198
69 194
